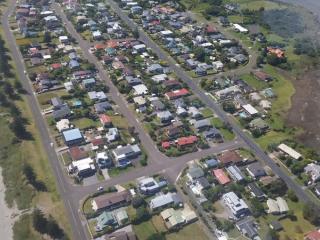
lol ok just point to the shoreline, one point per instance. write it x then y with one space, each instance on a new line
8 215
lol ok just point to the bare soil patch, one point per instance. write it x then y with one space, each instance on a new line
305 110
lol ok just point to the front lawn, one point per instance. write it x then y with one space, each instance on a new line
85 123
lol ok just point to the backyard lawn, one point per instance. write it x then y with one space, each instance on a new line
144 230
192 231
253 82
44 98
85 123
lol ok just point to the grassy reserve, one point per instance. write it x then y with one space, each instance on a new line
16 153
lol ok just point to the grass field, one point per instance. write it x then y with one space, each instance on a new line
44 98
294 229
253 82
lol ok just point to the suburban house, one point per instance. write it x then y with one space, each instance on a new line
255 170
174 219
278 206
237 205
230 157
313 235
247 227
235 173
289 151
313 170
122 155
73 137
82 168
195 173
164 200
149 186
221 176
111 201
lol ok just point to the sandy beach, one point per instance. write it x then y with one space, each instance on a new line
8 215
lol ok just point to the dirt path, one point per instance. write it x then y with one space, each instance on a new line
305 110
8 215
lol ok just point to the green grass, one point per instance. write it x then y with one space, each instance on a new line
87 207
158 223
44 98
117 171
253 82
21 229
207 112
85 123
294 229
226 133
144 230
66 158
119 122
192 231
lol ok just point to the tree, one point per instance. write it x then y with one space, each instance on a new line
39 221
311 213
142 214
257 207
137 201
136 33
229 107
53 229
292 196
200 54
19 129
47 37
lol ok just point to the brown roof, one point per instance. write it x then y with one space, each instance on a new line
122 235
230 157
108 200
77 153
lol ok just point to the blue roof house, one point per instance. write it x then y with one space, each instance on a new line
88 83
73 64
72 137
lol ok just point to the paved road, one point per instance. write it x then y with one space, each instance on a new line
62 183
303 196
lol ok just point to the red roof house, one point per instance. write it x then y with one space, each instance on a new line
177 93
165 145
221 176
313 235
184 141
55 66
105 120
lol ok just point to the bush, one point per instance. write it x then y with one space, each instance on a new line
137 201
292 196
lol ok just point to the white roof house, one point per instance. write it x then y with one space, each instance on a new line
82 165
63 124
283 206
278 206
166 33
288 150
237 205
250 109
140 89
273 207
313 170
239 28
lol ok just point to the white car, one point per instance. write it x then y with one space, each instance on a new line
100 188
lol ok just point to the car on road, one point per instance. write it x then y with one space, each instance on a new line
99 189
